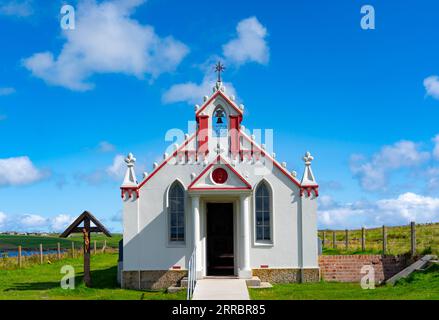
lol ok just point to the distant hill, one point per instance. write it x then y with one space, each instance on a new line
398 240
11 242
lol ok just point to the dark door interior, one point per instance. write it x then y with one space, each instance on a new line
220 258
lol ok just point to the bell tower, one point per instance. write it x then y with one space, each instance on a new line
218 121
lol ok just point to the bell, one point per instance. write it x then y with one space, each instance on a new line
219 121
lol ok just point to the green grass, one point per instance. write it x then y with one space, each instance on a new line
420 285
398 240
42 282
11 242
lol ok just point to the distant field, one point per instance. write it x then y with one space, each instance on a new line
398 240
11 242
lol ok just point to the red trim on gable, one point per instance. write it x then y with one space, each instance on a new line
220 159
225 188
308 190
166 161
277 165
219 92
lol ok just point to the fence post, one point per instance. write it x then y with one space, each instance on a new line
413 238
19 256
94 247
324 238
58 251
347 239
105 246
334 240
41 253
73 249
384 239
363 239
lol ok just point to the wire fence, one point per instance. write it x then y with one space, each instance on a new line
21 257
413 238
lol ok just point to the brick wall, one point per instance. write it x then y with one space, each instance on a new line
347 268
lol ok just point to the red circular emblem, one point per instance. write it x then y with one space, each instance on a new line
219 175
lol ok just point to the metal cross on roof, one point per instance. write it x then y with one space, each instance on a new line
219 68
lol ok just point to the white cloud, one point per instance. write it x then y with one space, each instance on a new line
6 91
33 222
403 209
436 147
431 85
193 93
107 40
18 171
373 174
250 44
117 169
16 8
432 175
105 146
61 222
2 219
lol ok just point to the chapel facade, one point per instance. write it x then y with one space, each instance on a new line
223 200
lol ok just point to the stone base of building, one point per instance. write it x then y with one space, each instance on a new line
287 275
152 279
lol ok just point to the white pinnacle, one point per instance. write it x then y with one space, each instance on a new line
308 176
130 179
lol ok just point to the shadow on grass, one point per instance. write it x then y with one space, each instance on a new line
101 279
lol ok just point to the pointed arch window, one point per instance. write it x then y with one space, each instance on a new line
176 216
219 122
263 213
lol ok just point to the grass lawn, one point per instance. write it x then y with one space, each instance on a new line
43 282
420 285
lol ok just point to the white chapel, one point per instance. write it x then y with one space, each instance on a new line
223 201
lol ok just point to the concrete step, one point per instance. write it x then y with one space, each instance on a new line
174 289
183 282
263 285
253 282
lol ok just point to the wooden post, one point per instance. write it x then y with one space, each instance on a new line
41 253
105 246
324 238
363 239
347 239
384 240
94 247
413 238
86 233
73 249
334 240
19 256
58 251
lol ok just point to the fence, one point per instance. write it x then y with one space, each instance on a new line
21 257
413 238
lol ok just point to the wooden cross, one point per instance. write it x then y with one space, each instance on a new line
86 217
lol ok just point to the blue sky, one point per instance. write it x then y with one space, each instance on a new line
364 102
